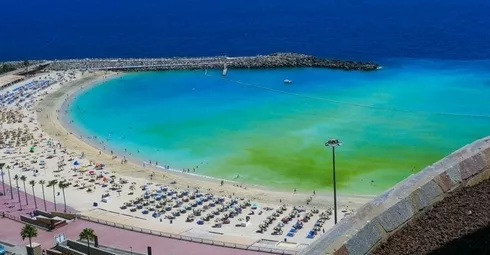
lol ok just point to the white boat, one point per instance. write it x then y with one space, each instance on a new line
288 81
225 70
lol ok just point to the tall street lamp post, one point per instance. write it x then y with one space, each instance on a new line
334 143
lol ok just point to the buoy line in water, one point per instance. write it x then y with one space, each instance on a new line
348 103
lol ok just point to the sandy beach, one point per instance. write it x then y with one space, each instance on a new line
54 127
58 145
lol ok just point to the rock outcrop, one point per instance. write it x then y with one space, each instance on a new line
277 60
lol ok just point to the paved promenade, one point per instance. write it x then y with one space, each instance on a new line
108 236
12 207
117 238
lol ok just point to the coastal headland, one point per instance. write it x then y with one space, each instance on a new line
276 60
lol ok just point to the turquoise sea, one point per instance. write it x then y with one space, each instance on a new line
392 122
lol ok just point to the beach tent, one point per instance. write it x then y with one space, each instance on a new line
76 163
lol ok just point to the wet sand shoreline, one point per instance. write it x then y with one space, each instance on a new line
61 128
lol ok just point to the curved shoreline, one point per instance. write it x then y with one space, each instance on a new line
96 143
56 129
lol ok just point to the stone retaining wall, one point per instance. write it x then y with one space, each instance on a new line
374 222
68 216
81 247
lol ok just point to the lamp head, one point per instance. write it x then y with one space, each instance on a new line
333 143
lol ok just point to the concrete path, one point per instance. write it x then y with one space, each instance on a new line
12 206
115 237
108 236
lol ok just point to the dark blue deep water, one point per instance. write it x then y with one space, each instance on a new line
352 29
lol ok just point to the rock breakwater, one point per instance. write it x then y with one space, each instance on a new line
277 60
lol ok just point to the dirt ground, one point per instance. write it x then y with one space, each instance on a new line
459 224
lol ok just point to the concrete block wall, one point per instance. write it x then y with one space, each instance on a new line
55 252
82 247
68 216
374 222
34 222
65 250
42 213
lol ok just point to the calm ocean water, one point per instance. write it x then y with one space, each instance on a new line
435 56
184 118
361 29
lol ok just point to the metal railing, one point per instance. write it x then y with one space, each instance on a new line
174 236
190 239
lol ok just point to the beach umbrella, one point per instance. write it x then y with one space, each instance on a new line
76 163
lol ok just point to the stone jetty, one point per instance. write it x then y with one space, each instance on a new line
276 60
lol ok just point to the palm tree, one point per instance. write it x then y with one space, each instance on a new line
23 178
53 183
32 183
87 234
28 231
62 185
16 178
10 181
42 182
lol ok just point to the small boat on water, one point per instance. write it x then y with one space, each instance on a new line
225 70
288 81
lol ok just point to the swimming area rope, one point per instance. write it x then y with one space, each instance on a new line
348 103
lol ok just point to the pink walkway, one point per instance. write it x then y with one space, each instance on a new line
117 238
12 206
108 236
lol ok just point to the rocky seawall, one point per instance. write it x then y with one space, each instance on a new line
277 60
381 218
